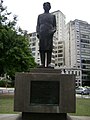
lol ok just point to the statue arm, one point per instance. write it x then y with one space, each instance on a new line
54 23
38 27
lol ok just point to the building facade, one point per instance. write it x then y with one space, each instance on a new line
76 71
77 48
34 46
59 39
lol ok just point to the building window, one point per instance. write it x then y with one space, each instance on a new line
33 44
77 37
59 42
79 73
34 38
75 72
60 55
59 64
83 46
68 72
33 34
60 59
33 49
72 72
85 41
55 51
33 54
60 47
55 64
60 51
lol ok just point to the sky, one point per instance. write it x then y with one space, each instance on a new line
28 10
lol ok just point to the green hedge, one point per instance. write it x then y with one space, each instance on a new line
3 84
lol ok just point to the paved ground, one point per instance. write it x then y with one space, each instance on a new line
80 118
18 117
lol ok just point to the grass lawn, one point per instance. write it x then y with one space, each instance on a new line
7 103
82 107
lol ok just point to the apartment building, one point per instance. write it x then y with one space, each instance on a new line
59 39
34 46
75 71
58 54
77 48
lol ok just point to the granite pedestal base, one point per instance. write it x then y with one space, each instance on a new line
44 94
44 116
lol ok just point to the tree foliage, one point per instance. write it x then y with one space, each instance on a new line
15 54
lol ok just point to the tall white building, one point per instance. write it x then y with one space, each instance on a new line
77 48
34 46
59 39
58 55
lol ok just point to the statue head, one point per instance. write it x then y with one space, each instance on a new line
46 6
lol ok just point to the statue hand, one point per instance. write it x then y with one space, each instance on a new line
53 31
38 36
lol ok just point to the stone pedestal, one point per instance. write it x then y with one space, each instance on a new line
44 116
44 94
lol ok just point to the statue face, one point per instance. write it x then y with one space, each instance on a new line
46 7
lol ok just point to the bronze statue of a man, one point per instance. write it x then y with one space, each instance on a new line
46 27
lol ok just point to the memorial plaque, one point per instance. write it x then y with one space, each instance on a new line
44 92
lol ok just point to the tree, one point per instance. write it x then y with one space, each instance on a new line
15 54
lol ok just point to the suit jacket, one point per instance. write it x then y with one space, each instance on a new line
46 26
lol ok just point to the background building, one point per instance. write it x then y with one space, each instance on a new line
76 71
59 39
34 46
77 48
